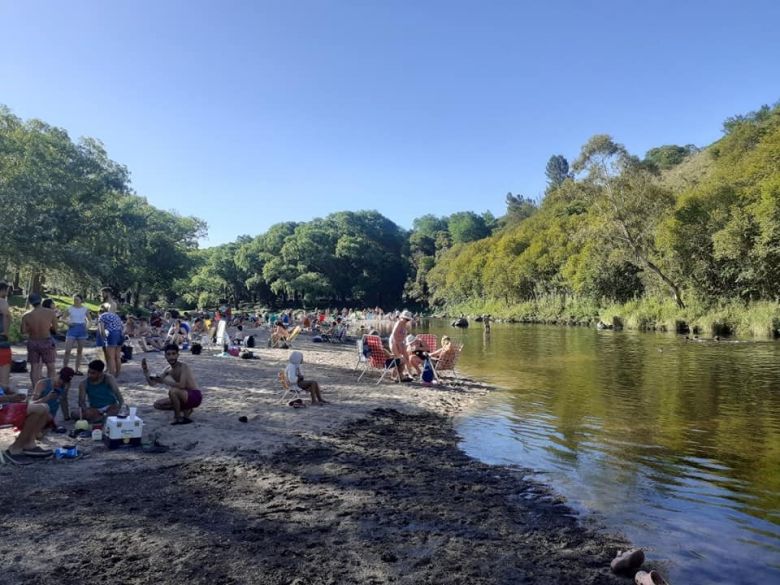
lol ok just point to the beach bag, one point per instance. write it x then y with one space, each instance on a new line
19 366
127 353
196 348
427 373
234 351
247 355
250 341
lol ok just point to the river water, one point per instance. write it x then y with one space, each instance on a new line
674 443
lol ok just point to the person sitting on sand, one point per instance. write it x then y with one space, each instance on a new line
99 395
54 393
132 327
295 376
30 419
151 336
183 393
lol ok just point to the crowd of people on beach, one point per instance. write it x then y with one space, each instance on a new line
167 331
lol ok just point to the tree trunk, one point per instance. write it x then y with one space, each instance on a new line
669 283
36 281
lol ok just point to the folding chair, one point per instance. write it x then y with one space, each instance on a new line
447 361
377 359
362 359
430 340
288 388
339 336
293 334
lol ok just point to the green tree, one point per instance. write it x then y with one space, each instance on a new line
467 226
669 156
628 206
557 171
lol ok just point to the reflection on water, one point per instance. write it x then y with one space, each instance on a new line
674 443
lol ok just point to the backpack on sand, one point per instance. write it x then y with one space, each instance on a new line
427 373
250 341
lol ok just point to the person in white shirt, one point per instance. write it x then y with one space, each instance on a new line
295 376
78 318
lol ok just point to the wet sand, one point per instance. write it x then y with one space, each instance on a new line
369 489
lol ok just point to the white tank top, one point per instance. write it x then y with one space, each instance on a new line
77 315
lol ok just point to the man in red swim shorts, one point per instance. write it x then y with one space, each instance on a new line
183 395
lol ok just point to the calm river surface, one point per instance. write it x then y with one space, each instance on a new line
675 444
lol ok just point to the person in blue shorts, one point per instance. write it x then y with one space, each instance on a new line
78 319
110 336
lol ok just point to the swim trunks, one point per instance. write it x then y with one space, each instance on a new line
41 351
5 356
194 398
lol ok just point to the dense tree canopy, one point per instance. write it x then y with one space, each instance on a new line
69 215
707 226
680 223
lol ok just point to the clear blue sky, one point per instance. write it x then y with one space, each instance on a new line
250 113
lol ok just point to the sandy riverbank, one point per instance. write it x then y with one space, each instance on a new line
369 489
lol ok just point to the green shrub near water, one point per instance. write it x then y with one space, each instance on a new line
759 319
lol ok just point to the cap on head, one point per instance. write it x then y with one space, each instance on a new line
407 315
34 299
410 338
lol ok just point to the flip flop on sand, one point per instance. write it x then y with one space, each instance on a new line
628 561
8 457
651 578
37 452
182 421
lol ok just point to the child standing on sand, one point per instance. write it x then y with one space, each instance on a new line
295 376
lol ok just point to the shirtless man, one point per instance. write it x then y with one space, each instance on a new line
108 297
5 345
38 324
183 395
398 342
